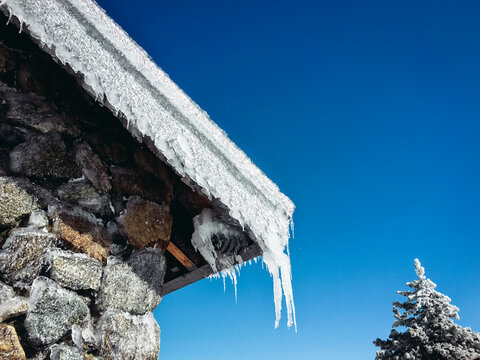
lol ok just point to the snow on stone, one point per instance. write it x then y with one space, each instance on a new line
116 71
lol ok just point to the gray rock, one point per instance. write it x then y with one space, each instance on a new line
15 202
135 285
66 352
53 312
38 219
12 308
123 336
10 136
44 155
37 112
92 168
81 193
73 270
22 253
6 292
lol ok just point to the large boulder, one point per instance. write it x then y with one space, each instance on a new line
22 253
74 271
15 202
134 285
53 312
123 336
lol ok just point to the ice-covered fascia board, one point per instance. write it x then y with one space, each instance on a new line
78 34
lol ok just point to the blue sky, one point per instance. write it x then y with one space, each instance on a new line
366 114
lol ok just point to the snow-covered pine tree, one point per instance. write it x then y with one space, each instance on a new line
430 332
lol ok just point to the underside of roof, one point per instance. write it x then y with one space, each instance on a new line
114 70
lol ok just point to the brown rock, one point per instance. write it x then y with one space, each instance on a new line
92 168
82 241
81 231
146 223
10 348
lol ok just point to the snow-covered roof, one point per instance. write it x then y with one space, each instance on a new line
118 72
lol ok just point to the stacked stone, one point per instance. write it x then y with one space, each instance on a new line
85 215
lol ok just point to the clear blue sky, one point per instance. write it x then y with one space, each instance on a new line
366 114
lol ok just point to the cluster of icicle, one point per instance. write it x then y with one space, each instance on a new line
206 225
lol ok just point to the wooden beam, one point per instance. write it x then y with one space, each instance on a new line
205 271
180 256
187 279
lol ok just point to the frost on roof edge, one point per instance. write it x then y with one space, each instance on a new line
113 67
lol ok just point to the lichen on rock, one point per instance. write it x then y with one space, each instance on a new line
73 270
22 253
123 336
15 202
134 285
53 312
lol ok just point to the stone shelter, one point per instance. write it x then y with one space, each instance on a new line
115 190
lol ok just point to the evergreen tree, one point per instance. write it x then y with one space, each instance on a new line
430 332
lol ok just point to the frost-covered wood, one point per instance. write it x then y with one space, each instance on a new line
431 333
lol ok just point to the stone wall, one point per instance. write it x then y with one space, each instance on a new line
86 212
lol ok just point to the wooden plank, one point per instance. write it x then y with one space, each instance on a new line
204 271
187 279
180 256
